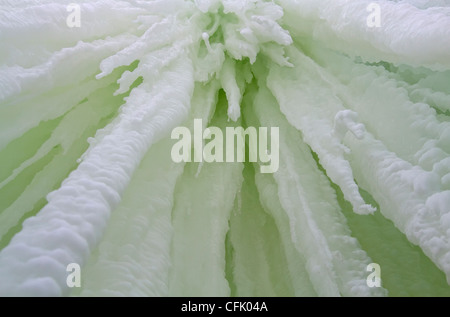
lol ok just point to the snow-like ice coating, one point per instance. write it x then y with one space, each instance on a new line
86 115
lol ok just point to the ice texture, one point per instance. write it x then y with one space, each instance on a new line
86 176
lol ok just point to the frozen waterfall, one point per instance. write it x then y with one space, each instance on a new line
90 92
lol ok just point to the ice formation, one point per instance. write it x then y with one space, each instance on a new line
86 175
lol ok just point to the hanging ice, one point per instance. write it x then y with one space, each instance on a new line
363 112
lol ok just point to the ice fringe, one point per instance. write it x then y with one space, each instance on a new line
140 224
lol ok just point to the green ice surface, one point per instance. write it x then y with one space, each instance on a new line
405 269
29 188
242 237
259 265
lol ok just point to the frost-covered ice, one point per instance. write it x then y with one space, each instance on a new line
86 175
